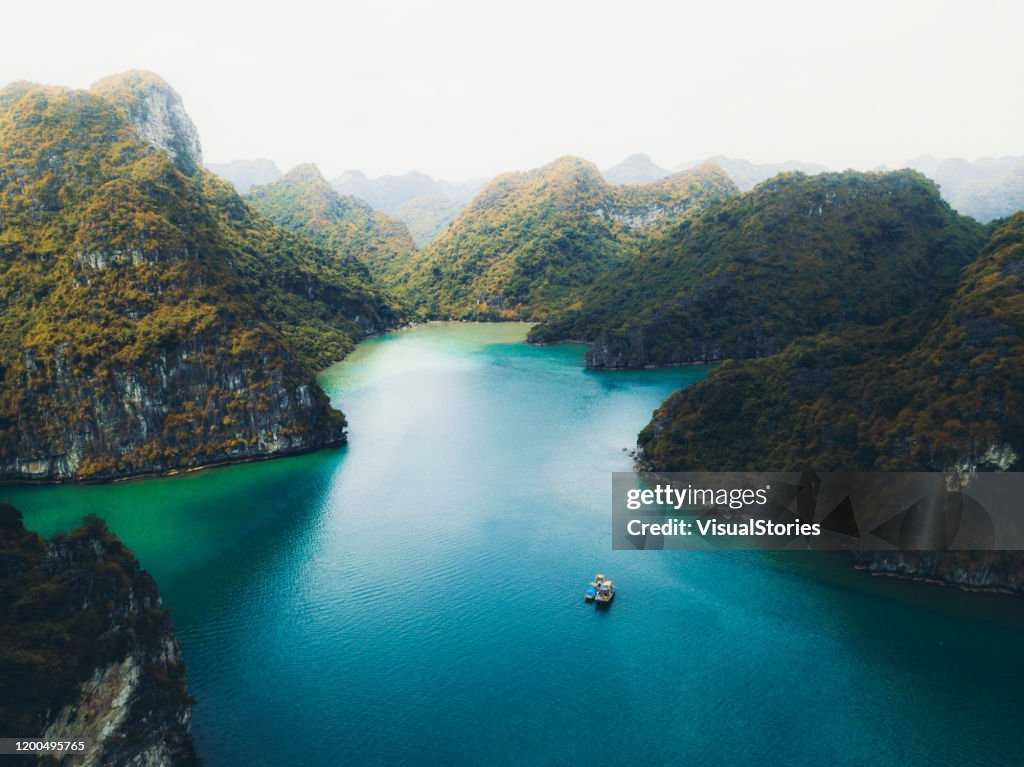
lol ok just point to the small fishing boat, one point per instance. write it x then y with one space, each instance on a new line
600 590
605 592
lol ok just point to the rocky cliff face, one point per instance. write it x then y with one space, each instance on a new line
969 570
158 115
88 651
189 405
626 350
617 351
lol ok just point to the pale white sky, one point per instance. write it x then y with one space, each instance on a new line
458 88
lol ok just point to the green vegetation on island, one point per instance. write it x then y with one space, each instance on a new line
794 256
303 202
937 390
532 243
149 319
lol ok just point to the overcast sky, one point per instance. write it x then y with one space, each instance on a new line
460 89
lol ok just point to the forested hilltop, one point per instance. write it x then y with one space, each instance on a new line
149 319
794 256
531 243
303 202
939 390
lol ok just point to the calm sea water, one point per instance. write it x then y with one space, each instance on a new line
416 597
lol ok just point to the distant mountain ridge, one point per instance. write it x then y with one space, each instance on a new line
986 189
245 174
636 169
994 198
640 169
426 205
748 174
426 217
389 193
952 173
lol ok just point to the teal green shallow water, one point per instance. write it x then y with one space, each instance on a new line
415 597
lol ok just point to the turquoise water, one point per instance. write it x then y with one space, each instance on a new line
416 597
